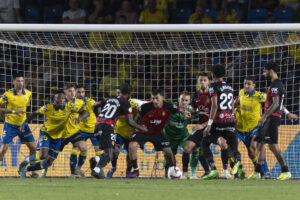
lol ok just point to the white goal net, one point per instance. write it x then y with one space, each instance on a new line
148 56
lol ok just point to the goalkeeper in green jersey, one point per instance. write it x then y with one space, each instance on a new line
176 131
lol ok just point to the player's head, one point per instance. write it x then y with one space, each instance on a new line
203 81
249 84
184 99
157 98
18 80
59 99
270 70
118 91
80 91
218 71
125 89
69 90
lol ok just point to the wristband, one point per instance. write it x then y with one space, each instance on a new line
286 111
13 111
210 121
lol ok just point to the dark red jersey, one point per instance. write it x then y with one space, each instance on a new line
201 102
224 92
276 89
155 119
112 108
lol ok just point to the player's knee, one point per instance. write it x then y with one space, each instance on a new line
168 151
188 148
223 144
133 147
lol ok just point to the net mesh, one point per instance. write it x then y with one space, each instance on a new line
169 60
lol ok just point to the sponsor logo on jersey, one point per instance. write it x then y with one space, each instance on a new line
163 113
155 121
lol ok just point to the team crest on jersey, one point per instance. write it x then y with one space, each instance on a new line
251 99
221 115
163 113
25 99
175 106
274 90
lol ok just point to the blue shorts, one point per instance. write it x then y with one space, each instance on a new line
73 139
246 137
90 136
10 131
122 141
45 141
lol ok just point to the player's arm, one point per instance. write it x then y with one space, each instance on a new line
83 114
96 106
132 123
272 108
213 112
17 112
29 117
291 116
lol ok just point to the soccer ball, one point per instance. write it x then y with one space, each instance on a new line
174 172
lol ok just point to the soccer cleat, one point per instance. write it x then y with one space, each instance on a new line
267 175
184 175
34 175
93 163
98 173
205 173
22 168
134 174
235 168
241 173
43 173
226 174
285 176
254 176
194 177
79 173
111 172
212 175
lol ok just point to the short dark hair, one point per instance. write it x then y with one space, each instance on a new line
218 70
80 86
17 75
125 89
185 93
158 91
69 85
205 74
272 66
251 78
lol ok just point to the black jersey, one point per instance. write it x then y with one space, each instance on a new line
224 92
276 89
112 108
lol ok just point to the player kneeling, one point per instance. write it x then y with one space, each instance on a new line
154 116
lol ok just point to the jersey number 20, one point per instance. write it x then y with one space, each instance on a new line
108 111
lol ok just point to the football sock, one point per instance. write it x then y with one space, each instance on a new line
185 161
99 152
258 168
81 159
73 160
284 169
224 157
39 165
194 161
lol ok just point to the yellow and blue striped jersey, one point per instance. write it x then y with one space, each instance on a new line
88 124
72 127
55 120
13 101
122 128
250 110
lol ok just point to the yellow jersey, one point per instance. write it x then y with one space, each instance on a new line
122 128
250 110
72 127
88 125
146 17
55 120
13 101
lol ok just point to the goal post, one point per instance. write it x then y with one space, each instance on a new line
148 56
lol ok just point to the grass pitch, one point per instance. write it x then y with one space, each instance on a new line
144 189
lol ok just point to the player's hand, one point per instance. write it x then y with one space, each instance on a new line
204 113
261 121
76 120
19 112
144 128
22 128
206 131
292 117
187 114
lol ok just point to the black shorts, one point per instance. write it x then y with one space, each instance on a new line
106 135
158 140
196 137
268 133
226 131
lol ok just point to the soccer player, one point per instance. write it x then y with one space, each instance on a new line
87 128
201 102
16 101
112 108
123 133
72 133
248 113
56 117
154 115
221 123
269 123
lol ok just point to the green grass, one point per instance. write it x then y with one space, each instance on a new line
143 189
